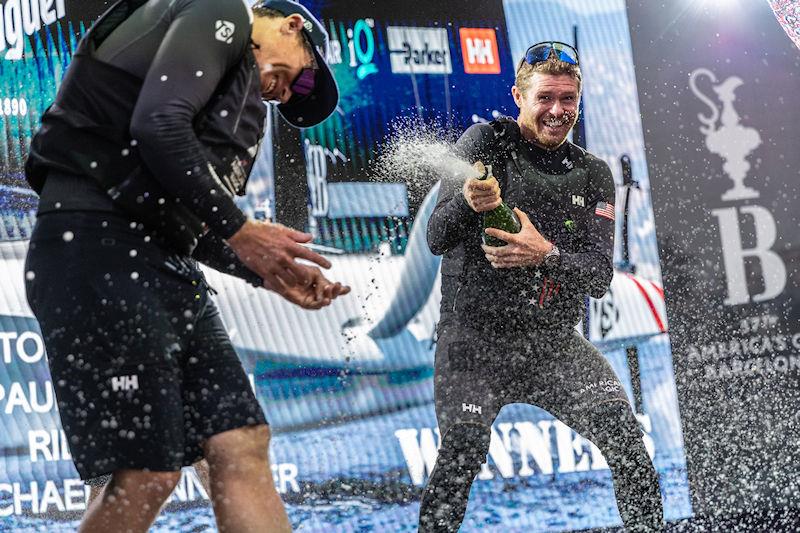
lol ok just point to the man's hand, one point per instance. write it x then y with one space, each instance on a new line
482 195
271 250
319 293
524 249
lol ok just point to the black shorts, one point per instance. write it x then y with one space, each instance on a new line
477 373
141 363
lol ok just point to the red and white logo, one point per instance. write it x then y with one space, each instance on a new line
479 50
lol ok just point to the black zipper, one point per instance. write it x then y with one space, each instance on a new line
455 298
244 101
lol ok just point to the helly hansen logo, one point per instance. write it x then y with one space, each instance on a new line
578 200
225 31
479 50
470 408
125 383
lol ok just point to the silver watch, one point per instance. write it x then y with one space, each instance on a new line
552 259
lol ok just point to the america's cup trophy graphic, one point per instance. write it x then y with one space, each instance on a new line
728 139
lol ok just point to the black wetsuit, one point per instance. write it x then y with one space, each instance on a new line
508 335
143 369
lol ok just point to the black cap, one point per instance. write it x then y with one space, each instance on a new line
316 107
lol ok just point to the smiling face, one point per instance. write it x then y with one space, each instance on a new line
281 53
548 108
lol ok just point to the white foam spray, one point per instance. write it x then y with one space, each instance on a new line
420 154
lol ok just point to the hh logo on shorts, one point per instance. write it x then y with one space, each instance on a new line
125 383
470 408
225 31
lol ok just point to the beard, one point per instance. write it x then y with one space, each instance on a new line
550 132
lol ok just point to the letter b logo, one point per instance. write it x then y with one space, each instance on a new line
734 254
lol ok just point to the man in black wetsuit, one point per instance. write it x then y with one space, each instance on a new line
508 314
154 130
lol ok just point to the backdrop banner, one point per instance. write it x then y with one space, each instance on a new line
717 87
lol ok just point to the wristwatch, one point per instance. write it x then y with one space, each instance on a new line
552 259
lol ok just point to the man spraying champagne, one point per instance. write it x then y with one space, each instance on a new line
510 306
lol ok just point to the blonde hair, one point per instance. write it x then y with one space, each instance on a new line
553 66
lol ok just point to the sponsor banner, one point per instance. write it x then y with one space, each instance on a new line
20 20
721 149
419 50
479 50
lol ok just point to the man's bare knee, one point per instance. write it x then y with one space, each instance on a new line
239 448
157 485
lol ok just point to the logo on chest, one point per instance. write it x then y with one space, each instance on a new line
578 200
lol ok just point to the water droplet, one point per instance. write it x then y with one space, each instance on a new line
30 275
134 275
223 113
133 253
199 73
68 236
164 77
93 164
125 152
58 205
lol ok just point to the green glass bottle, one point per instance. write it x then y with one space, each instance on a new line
501 217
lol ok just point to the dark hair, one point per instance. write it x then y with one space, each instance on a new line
552 66
268 12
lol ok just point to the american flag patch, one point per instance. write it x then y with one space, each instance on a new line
604 209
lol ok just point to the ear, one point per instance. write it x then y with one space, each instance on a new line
292 24
517 94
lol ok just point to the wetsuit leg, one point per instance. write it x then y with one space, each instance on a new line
461 454
466 405
613 428
577 385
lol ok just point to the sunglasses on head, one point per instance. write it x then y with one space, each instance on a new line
540 52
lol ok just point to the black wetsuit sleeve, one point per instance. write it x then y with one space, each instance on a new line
453 219
590 269
211 250
191 61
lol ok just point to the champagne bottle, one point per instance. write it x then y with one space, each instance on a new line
501 217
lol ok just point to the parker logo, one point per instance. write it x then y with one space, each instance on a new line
225 31
479 50
419 50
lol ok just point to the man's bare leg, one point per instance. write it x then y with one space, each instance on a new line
242 490
130 502
200 468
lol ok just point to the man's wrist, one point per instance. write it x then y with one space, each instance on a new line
552 259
